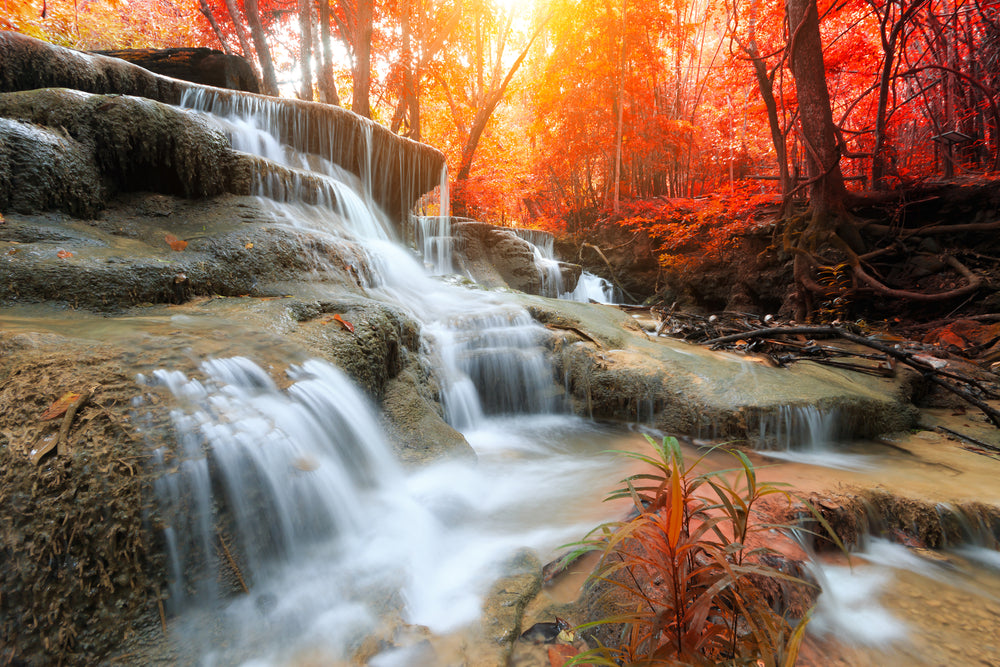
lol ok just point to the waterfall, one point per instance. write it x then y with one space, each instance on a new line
295 491
285 484
809 434
593 288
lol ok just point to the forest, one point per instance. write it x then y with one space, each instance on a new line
678 119
624 104
238 421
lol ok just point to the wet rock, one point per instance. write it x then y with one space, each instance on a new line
198 65
618 372
414 422
407 169
124 259
498 257
110 143
503 609
79 564
909 521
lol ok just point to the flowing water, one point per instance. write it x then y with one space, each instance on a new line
332 534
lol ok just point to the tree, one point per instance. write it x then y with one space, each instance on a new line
425 27
819 135
487 79
765 75
270 81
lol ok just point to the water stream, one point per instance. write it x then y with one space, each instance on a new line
333 535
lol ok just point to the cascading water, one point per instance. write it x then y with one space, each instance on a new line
330 535
808 434
300 480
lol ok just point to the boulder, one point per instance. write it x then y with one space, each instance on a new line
499 257
199 65
406 168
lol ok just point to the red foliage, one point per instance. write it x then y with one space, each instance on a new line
706 225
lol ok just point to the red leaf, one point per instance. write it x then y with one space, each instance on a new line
344 323
64 254
60 406
175 243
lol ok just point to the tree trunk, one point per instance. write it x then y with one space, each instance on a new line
766 86
305 49
270 86
826 182
362 60
327 85
206 10
819 138
237 19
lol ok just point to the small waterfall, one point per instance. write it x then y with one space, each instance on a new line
590 288
432 237
284 469
497 363
799 427
808 434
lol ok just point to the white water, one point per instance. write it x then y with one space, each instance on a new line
330 524
809 434
325 524
330 528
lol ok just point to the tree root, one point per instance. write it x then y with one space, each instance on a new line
975 282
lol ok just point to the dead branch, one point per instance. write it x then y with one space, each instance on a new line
974 441
578 332
611 270
232 564
908 358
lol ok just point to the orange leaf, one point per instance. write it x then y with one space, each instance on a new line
64 254
344 323
560 653
60 406
675 509
175 243
249 246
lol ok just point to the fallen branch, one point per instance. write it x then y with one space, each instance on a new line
232 564
974 441
578 332
908 358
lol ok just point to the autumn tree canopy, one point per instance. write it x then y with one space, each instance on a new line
553 108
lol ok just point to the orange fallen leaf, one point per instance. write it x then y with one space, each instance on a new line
59 407
560 653
175 243
64 254
344 323
248 246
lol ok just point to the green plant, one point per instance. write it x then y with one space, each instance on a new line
697 589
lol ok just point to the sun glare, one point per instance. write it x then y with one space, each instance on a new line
522 9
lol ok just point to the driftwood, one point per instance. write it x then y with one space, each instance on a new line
929 372
611 269
971 440
578 332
